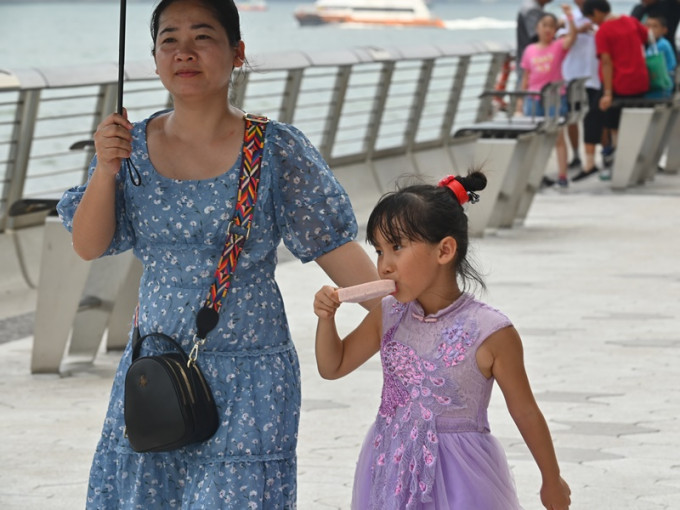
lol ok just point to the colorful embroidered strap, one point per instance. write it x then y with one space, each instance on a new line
239 226
237 232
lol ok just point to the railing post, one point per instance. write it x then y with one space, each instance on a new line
20 151
375 119
106 104
238 89
454 98
290 95
485 110
418 104
335 110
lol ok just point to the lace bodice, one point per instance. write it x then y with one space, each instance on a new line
431 385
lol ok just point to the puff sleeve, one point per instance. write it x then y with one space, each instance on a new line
313 211
124 237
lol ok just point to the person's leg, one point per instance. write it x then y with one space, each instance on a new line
592 134
561 153
612 118
573 134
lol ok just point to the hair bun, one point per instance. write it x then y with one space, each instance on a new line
473 181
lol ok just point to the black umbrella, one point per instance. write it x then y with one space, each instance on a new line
121 55
135 177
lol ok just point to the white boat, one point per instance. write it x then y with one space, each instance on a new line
252 5
373 12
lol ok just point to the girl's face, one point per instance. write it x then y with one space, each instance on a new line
416 268
192 52
546 29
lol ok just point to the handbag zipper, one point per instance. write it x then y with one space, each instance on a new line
186 380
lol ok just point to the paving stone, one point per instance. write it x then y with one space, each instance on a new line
591 283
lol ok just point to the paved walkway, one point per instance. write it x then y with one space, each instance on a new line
592 284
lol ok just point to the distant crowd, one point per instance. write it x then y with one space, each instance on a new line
622 57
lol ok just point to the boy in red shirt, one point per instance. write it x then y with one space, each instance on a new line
619 42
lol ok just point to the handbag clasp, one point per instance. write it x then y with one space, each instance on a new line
193 354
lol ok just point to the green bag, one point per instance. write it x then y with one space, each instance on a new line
659 79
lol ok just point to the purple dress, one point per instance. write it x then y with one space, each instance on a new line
430 446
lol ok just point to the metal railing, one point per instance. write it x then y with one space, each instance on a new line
354 105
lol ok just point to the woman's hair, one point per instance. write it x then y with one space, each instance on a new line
428 213
225 12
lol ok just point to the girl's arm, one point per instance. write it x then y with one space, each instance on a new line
94 222
502 355
350 265
569 39
335 357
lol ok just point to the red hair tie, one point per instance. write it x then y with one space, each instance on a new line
455 186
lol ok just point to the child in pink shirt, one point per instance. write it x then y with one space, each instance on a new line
542 64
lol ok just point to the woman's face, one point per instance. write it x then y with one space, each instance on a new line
192 51
546 29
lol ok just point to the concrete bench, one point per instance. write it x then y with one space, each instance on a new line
513 152
642 138
672 132
77 301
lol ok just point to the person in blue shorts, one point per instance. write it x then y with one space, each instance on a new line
542 64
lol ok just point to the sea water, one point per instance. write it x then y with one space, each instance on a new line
70 33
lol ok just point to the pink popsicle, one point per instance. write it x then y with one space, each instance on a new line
366 291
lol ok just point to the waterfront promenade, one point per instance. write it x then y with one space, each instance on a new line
591 282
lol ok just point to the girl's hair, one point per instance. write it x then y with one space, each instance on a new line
547 15
428 213
225 12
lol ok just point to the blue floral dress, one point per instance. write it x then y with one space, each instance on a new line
177 228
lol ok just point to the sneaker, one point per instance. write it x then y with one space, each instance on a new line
608 156
606 174
562 182
584 175
575 163
547 182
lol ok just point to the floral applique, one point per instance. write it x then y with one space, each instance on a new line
398 308
456 340
415 391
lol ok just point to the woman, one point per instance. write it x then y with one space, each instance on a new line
175 220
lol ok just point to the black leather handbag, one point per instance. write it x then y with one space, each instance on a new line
168 403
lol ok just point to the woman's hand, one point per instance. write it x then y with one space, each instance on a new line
556 495
326 302
113 142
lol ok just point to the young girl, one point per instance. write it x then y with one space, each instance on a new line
441 350
542 64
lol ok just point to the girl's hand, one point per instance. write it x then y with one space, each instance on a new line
555 496
326 302
566 9
113 142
